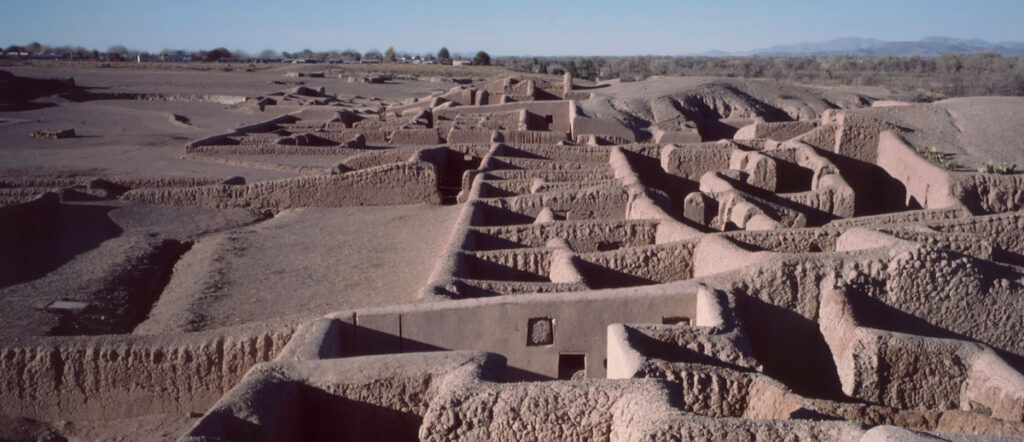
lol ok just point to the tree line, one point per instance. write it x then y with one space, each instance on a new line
949 75
122 53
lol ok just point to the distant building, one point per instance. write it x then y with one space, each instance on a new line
460 62
176 57
45 57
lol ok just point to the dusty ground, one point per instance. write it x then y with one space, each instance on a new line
301 262
138 138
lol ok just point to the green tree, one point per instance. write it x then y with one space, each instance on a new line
389 54
587 70
482 59
443 54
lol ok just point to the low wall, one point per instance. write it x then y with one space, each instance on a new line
593 126
910 371
366 398
558 111
777 131
989 193
926 183
507 325
122 376
693 162
391 184
415 136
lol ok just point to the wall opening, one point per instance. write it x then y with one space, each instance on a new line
540 331
676 320
572 365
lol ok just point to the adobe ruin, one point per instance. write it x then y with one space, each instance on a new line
668 259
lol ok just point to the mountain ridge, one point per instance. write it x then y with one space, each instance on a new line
930 46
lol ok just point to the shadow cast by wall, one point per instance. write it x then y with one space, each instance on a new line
49 238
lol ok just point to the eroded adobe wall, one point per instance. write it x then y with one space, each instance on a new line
403 183
558 111
114 377
361 398
925 184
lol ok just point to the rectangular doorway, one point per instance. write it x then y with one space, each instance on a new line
572 365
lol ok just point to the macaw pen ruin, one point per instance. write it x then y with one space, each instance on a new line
299 255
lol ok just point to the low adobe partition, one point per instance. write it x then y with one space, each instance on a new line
926 184
539 334
910 371
122 376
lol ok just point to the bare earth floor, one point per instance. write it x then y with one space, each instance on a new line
302 262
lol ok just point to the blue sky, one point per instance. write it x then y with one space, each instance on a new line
552 27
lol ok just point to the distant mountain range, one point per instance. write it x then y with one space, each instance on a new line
926 47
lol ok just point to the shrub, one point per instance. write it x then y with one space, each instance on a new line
1001 168
944 159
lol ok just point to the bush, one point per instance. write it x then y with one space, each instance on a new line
944 159
1001 168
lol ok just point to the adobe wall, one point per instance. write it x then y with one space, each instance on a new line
989 193
415 136
777 131
582 125
582 236
693 162
638 265
549 410
470 136
591 203
502 325
401 183
799 240
910 371
991 318
533 137
374 158
991 227
361 398
925 182
858 136
557 110
120 376
634 420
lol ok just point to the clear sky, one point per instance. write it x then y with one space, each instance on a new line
521 27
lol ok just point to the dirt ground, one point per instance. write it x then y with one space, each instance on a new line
301 264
